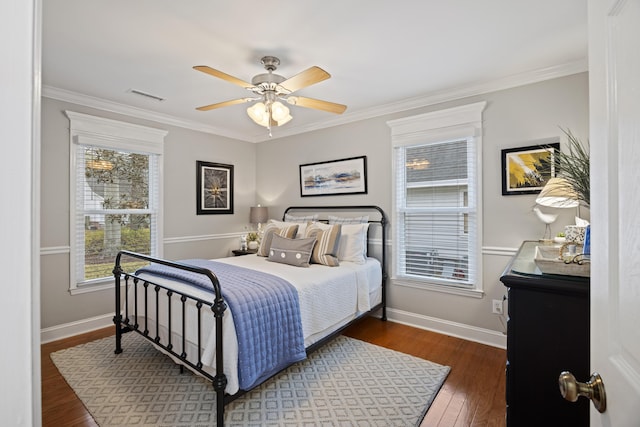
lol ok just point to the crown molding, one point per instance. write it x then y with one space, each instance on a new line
432 98
127 110
443 95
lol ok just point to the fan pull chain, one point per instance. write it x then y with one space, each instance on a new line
269 120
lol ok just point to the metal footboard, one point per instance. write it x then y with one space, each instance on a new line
151 295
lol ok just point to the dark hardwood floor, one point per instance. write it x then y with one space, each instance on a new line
472 395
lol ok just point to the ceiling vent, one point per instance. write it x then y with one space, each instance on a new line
147 95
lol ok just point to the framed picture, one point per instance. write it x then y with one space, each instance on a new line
214 188
525 170
344 176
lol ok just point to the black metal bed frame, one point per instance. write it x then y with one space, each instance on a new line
217 306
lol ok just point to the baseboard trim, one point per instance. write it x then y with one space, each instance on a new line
78 327
446 327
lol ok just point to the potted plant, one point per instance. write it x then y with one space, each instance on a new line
574 167
252 240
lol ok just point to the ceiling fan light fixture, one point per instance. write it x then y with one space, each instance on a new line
258 113
284 120
271 89
279 112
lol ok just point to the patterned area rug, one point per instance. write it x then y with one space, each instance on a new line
346 383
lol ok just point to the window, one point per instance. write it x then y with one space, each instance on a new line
436 200
115 195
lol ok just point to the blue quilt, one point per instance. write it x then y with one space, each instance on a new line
266 314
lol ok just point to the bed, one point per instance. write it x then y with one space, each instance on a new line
221 319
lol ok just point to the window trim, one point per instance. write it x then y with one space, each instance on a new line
86 130
457 123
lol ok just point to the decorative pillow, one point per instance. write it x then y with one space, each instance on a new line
353 243
296 252
326 249
352 220
269 231
301 226
303 219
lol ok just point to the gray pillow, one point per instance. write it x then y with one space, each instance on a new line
296 252
286 230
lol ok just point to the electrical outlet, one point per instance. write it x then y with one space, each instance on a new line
497 306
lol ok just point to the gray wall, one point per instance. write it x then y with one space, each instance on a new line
513 117
186 234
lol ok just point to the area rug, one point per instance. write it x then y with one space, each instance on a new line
346 383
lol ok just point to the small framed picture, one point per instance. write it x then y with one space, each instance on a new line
214 188
525 170
343 176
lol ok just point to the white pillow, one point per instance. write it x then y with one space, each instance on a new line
353 243
299 219
302 227
351 220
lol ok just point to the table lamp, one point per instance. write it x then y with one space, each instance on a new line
557 193
258 215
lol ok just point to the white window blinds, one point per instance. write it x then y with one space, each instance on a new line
116 194
436 197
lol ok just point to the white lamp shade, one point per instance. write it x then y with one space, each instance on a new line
258 113
558 193
279 111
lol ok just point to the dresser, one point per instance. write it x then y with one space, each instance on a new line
547 333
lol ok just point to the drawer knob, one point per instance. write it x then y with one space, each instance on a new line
593 389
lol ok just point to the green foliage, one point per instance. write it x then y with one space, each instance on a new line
574 167
136 240
129 171
105 269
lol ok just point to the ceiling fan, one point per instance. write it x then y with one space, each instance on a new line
270 89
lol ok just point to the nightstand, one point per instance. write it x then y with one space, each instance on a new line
240 252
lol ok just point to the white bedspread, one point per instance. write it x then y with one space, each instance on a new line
329 298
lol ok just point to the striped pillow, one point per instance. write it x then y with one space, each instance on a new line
327 243
352 220
288 231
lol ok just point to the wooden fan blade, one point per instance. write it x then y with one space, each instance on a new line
224 76
224 104
330 107
306 78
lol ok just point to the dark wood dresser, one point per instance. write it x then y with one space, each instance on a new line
547 333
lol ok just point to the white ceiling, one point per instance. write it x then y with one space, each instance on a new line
383 56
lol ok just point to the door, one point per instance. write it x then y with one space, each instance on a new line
614 93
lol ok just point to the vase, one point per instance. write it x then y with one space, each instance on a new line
253 245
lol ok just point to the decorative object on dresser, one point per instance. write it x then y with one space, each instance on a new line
343 176
156 297
214 188
526 170
547 334
575 167
557 193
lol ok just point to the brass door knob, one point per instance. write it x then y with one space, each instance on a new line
593 389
